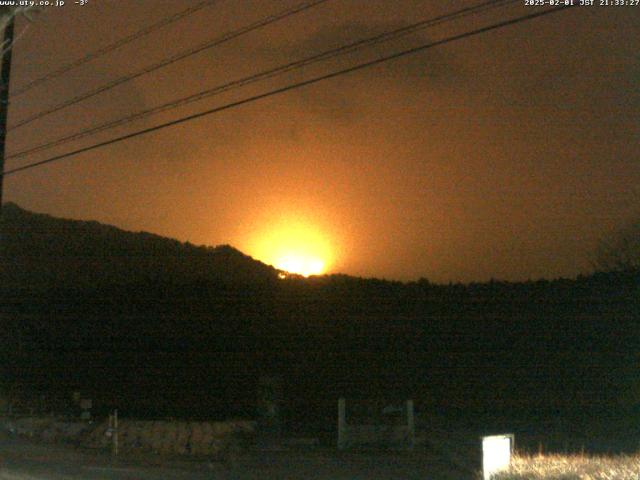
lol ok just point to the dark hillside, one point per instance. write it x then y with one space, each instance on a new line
40 251
175 345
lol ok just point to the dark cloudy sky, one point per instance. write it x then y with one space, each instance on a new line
506 155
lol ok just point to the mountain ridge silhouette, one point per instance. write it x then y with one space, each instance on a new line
42 251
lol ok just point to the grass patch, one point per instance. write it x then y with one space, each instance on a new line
572 467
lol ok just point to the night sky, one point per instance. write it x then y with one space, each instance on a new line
506 155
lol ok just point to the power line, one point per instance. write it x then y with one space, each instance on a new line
293 86
114 46
270 73
180 56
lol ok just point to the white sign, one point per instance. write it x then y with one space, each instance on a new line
496 454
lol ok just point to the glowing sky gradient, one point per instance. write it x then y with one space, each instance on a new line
506 155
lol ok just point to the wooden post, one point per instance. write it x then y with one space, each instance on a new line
270 403
110 430
115 432
342 424
411 426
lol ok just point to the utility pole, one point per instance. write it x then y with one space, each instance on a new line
5 75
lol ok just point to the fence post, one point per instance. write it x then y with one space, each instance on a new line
115 433
342 424
411 425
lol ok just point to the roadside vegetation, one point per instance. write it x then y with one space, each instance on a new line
572 467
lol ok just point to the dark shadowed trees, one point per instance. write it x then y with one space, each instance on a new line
621 252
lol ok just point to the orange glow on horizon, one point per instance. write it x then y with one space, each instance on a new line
302 265
295 247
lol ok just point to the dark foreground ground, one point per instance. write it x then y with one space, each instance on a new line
21 460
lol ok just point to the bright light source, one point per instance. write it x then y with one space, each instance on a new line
301 265
297 248
496 454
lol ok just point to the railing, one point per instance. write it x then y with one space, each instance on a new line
378 433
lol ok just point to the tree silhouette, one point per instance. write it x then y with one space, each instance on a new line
621 252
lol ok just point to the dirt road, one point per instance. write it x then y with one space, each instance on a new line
24 461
